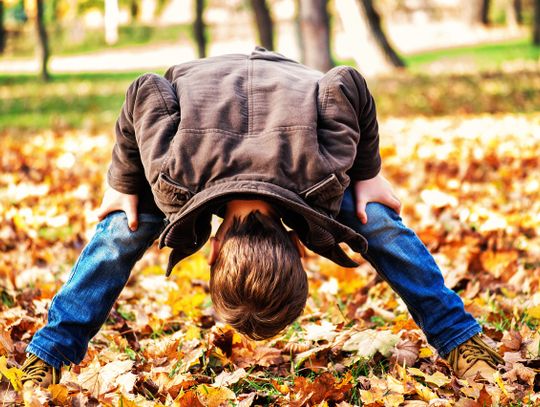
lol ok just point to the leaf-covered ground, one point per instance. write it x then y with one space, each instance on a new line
470 188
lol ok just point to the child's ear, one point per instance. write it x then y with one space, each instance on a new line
296 240
215 245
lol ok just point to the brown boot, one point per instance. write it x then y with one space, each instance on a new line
474 357
39 372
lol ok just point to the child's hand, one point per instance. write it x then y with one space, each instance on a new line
117 201
376 189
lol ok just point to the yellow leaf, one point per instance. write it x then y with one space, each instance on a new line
416 372
425 352
188 304
534 312
393 400
59 393
282 388
214 396
498 380
438 379
13 374
424 392
193 332
237 338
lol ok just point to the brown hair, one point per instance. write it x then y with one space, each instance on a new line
257 283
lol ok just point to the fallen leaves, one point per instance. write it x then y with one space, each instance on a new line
470 190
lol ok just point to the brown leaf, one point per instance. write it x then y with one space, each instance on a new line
511 341
405 353
266 356
520 373
190 399
295 347
485 398
323 388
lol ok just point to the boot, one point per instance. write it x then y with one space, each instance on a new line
39 372
474 357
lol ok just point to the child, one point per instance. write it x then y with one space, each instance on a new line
261 141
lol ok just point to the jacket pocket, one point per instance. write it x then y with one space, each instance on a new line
325 195
169 194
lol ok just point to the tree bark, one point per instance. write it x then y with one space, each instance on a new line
374 21
519 11
42 42
476 11
265 25
2 28
513 13
315 29
111 21
484 12
298 32
536 23
134 10
199 29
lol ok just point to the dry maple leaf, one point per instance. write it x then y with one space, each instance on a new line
511 341
405 353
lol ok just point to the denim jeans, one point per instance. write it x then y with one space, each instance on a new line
81 307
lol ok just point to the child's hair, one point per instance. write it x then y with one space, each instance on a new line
257 283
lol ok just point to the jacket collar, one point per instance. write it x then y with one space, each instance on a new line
263 53
190 228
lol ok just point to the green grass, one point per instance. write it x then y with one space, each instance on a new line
484 56
94 100
69 100
61 42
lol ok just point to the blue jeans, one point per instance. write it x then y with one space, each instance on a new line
81 307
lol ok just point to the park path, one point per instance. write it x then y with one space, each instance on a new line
160 56
146 57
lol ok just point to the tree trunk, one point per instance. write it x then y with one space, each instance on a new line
519 11
315 28
536 23
199 29
134 10
112 13
484 12
513 13
2 28
265 25
298 32
374 21
476 11
42 41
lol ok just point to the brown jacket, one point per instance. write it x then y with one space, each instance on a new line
248 125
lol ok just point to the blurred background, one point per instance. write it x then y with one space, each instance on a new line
457 88
428 57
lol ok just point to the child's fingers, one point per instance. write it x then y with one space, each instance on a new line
361 211
103 211
395 204
131 213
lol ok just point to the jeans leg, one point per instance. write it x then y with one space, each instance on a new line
83 303
401 258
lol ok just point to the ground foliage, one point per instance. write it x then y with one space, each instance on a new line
470 188
93 100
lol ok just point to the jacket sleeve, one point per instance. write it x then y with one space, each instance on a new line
367 162
349 112
150 108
